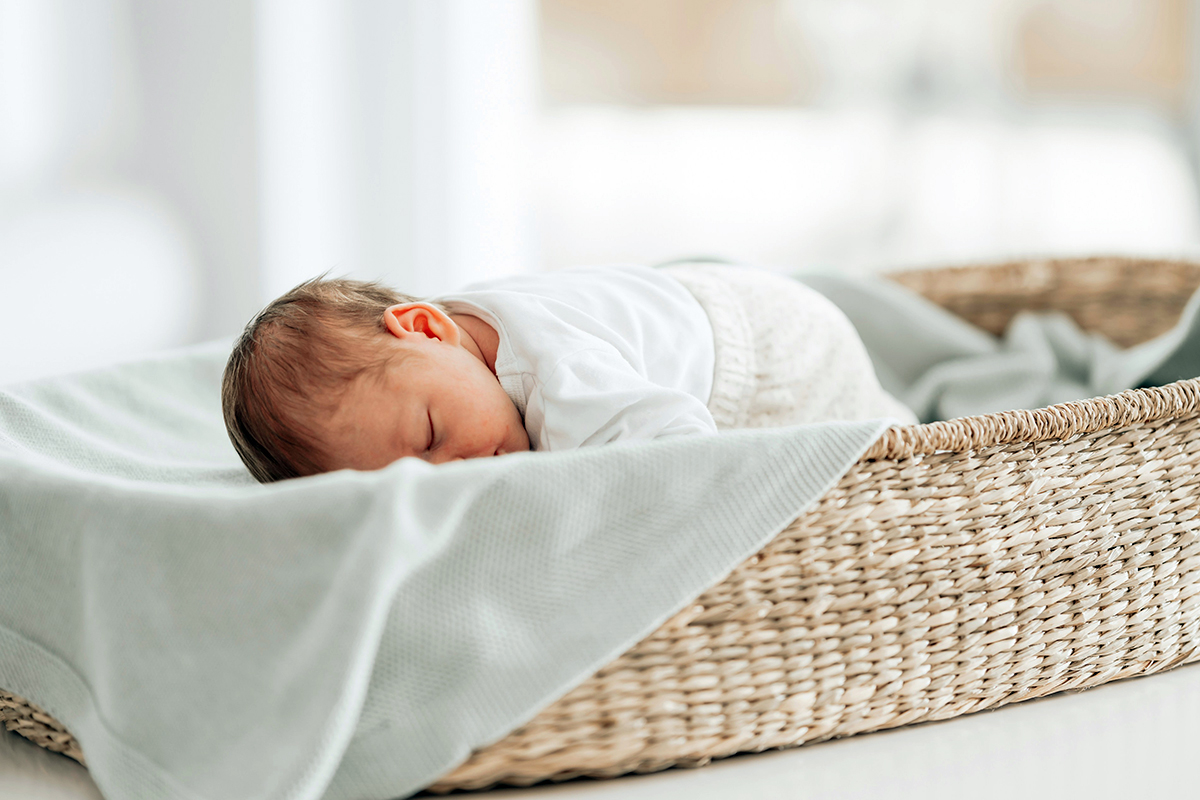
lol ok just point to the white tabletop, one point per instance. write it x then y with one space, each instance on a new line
30 773
1133 739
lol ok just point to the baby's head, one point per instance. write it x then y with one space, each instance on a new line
342 374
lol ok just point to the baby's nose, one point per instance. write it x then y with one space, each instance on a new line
447 458
451 459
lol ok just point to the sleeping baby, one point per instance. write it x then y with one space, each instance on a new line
341 374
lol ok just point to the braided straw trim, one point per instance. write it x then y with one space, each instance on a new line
1060 421
23 717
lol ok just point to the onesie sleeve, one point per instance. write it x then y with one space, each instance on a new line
595 397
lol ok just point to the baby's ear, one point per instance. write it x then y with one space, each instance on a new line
406 320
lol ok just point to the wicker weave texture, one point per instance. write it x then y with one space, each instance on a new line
21 716
958 566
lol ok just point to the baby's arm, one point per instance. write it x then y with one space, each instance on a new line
596 397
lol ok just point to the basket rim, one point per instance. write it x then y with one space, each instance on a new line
1060 421
1045 266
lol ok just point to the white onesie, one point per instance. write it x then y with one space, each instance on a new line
597 354
594 355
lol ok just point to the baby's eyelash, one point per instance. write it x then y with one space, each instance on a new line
429 446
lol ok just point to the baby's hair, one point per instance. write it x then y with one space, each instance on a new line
291 365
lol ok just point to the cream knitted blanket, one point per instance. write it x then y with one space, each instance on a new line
785 355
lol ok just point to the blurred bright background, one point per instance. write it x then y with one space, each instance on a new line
167 168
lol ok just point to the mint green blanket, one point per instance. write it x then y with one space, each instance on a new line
352 635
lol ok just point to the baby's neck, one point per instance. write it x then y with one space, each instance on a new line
480 339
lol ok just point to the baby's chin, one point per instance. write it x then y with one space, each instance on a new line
517 441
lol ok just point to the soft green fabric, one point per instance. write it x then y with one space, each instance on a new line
351 635
942 367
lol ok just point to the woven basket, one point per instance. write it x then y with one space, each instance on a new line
957 566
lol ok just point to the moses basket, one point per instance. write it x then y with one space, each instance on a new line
957 566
